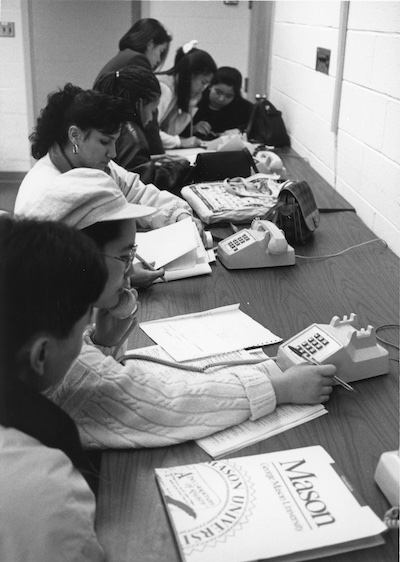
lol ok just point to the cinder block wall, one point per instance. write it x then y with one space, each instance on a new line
363 161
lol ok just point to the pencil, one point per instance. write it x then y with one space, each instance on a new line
148 265
314 362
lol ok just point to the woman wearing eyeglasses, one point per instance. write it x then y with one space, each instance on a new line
222 106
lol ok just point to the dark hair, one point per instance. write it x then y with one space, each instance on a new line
185 68
229 76
103 232
71 105
131 84
141 33
49 276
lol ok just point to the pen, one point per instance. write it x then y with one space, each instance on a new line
148 265
314 362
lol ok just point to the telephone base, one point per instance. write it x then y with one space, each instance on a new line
265 260
387 476
355 353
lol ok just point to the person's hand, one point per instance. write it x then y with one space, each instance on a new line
110 330
304 384
190 142
143 277
203 128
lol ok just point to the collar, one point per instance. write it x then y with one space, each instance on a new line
27 410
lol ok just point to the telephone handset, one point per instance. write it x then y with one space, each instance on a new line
127 304
355 353
261 245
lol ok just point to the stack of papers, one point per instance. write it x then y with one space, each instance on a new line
176 247
207 333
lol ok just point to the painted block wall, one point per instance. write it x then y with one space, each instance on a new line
14 128
221 30
363 162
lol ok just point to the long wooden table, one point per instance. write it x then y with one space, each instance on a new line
131 521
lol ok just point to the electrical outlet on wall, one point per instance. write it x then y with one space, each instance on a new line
323 60
7 29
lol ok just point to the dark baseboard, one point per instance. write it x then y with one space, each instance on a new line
12 177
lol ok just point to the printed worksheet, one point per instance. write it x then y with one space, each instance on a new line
211 332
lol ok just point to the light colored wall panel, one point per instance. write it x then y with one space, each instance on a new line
221 30
320 13
301 47
14 146
375 16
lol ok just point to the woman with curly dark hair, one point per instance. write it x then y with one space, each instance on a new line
141 89
79 129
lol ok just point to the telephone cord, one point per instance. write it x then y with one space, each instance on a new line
193 368
342 252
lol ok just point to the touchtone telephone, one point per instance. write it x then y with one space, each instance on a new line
355 353
261 245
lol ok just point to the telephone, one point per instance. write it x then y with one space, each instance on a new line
355 353
262 245
127 304
387 476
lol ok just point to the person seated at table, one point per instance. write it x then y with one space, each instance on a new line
222 107
50 275
78 129
145 44
134 405
181 89
141 89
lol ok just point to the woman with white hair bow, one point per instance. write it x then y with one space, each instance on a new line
181 90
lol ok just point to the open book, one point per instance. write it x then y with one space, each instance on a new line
292 504
176 247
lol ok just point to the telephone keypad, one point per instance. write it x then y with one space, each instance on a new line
312 345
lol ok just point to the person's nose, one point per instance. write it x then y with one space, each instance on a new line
130 271
112 151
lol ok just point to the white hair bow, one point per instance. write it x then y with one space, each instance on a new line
189 46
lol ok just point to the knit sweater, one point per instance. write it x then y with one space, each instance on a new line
41 178
134 405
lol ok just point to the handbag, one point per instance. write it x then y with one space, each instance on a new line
214 166
266 125
296 212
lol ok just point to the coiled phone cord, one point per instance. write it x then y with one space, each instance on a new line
193 368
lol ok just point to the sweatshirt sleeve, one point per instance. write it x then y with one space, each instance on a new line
168 205
134 405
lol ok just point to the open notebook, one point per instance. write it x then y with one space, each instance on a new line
176 247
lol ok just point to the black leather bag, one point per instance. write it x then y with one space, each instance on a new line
214 166
266 125
296 212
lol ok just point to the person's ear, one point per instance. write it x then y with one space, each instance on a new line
150 45
74 134
38 355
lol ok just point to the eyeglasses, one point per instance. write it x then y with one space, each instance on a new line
127 261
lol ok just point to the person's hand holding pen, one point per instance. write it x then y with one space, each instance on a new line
312 361
145 274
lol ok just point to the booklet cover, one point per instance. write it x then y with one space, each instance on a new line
291 504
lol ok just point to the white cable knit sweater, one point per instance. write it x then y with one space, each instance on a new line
132 406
